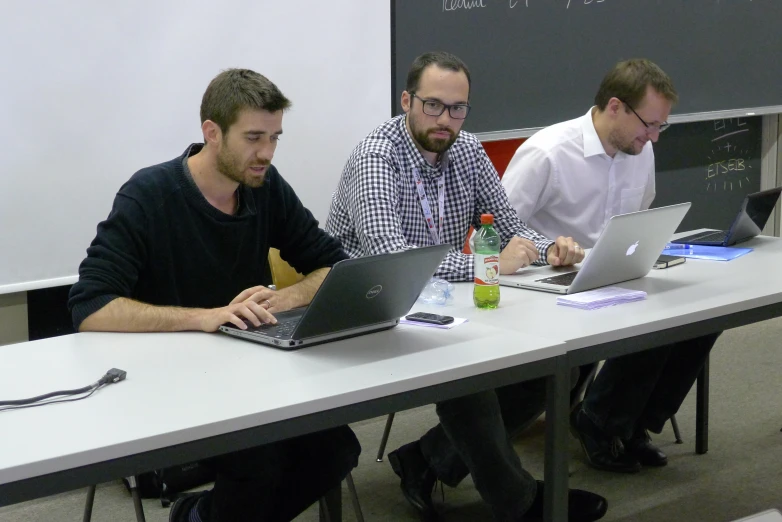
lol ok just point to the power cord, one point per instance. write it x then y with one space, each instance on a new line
112 376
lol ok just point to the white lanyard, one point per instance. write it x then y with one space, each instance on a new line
436 234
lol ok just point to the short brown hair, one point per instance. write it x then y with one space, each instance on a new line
233 90
442 59
628 81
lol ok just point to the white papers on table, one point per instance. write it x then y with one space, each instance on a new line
601 297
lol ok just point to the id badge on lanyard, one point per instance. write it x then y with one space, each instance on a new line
436 233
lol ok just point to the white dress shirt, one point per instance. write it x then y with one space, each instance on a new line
562 183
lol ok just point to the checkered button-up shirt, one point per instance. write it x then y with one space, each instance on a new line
376 207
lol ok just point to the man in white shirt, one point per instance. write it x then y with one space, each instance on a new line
563 177
575 176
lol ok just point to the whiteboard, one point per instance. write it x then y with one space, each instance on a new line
93 91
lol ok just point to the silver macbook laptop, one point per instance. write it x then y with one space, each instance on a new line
748 223
627 248
358 296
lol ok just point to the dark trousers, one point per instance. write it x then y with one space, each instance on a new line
644 389
275 482
473 437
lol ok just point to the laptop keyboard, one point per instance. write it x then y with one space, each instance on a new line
561 279
281 330
715 237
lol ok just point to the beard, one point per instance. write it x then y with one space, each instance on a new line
623 144
436 145
230 166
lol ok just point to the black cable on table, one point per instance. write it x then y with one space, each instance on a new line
110 377
72 399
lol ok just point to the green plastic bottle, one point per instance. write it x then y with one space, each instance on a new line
486 292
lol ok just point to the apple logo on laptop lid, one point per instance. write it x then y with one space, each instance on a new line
631 250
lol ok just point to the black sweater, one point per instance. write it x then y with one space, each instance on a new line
164 244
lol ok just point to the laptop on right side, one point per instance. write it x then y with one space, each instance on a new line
627 248
748 223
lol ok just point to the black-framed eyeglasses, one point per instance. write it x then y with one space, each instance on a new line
654 127
458 111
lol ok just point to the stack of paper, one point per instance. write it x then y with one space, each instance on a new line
601 297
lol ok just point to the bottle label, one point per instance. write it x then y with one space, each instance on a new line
487 269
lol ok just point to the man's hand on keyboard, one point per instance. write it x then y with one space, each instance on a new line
518 253
564 252
270 300
238 314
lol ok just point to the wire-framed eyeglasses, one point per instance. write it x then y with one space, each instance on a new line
653 127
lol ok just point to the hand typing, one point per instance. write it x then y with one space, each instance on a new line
518 253
235 313
564 252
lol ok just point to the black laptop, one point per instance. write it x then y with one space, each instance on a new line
752 217
358 296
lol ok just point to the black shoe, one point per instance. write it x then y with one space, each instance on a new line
185 502
582 506
640 446
418 479
602 451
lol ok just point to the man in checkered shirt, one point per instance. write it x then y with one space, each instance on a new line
378 207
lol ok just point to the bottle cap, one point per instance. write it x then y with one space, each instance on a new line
487 219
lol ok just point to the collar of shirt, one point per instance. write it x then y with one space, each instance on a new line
592 144
417 159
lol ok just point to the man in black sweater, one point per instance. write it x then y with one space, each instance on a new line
185 248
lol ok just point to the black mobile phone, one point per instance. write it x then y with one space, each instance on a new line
664 261
423 317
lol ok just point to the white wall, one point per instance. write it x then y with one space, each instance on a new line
95 90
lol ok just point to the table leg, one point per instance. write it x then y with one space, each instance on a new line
556 464
702 411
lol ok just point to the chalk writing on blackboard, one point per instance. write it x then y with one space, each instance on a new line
457 5
729 158
514 3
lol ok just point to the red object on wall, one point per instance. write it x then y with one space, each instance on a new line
500 154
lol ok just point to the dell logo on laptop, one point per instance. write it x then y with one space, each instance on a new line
374 291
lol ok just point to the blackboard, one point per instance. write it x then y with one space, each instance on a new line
537 62
713 164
